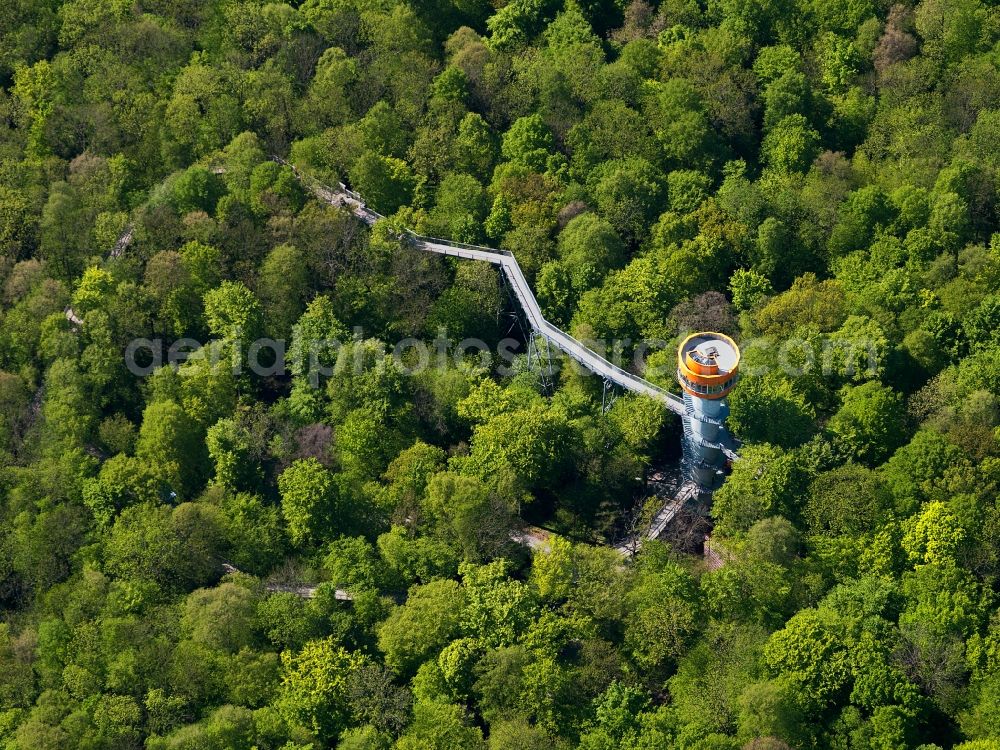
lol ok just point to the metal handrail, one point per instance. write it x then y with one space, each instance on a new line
512 269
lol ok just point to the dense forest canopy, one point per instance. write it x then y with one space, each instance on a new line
813 177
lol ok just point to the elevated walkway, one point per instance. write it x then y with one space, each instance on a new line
343 197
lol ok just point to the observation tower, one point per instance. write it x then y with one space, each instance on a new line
707 368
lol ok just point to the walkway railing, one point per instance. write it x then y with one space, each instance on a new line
343 196
347 198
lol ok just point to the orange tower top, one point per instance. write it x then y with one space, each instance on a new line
708 364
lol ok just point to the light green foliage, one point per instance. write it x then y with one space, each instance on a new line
94 286
430 618
462 509
663 612
475 147
233 312
587 578
69 415
230 450
409 472
517 22
870 423
171 448
460 208
753 590
195 189
809 301
816 178
788 94
680 124
256 533
791 145
552 571
687 188
274 189
774 539
609 132
34 87
13 221
534 444
175 548
809 652
589 240
857 351
771 709
366 442
519 735
616 716
749 289
765 482
497 608
839 60
385 181
589 248
221 618
934 536
284 280
353 564
203 263
440 726
711 678
310 498
327 101
528 142
314 686
207 391
769 410
116 432
639 423
118 484
315 340
199 88
417 559
915 469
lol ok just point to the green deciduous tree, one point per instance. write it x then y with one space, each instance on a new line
310 501
663 610
791 145
385 182
529 142
233 312
430 618
766 481
535 444
171 446
315 687
629 193
222 618
870 423
767 409
175 548
462 510
847 500
497 608
282 287
810 653
441 726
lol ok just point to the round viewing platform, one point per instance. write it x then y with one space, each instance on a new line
708 365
